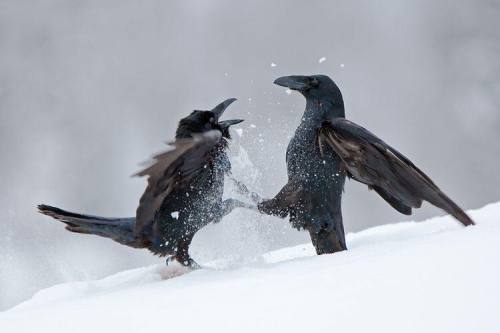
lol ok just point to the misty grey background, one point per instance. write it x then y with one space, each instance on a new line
88 89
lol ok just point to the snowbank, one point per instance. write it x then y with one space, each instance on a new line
432 276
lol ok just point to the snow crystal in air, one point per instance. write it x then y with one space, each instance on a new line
288 91
239 131
273 64
342 65
253 126
175 215
321 59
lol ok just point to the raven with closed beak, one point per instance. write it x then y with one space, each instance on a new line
184 192
324 150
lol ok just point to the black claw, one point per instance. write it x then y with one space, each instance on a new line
191 264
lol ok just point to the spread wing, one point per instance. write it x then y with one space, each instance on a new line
173 170
394 177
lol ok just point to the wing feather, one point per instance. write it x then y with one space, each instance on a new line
173 170
393 176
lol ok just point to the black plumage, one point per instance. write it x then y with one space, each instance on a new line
312 196
184 192
371 161
327 147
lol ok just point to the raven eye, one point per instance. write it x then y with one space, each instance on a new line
211 120
314 82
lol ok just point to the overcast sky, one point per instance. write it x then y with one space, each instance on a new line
88 89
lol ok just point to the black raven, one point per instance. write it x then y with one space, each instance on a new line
184 192
327 147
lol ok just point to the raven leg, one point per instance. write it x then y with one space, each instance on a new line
227 207
229 204
182 253
243 190
326 241
274 206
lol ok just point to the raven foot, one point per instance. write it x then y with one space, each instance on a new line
186 262
242 189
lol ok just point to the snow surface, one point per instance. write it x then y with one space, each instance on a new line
432 276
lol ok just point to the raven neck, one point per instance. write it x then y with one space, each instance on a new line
183 133
319 110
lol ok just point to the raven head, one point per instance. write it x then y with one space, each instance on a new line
204 121
319 87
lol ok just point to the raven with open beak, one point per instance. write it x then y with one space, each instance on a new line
184 192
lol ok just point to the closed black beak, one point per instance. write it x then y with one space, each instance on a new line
219 109
294 82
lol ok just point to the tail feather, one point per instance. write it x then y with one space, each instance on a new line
118 229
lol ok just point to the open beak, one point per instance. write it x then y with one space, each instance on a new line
294 82
219 109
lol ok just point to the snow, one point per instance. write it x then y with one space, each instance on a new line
432 276
321 59
239 131
273 64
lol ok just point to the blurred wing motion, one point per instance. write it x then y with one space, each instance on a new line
394 177
172 171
